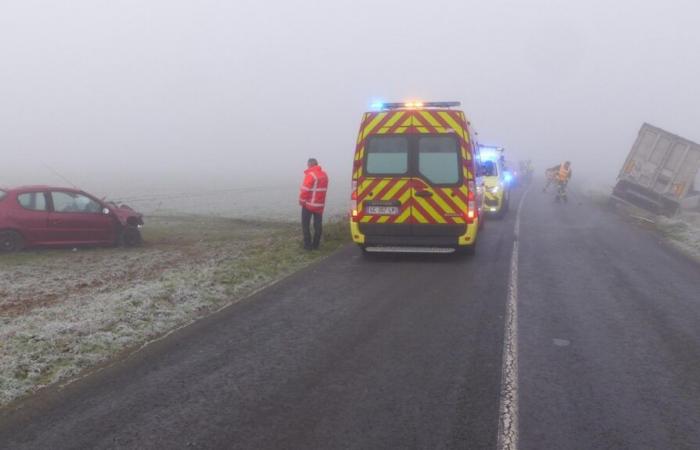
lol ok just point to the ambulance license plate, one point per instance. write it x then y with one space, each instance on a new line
383 210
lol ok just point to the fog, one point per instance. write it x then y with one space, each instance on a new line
131 96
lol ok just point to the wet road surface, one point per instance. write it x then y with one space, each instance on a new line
406 352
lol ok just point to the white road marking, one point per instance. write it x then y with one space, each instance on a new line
508 408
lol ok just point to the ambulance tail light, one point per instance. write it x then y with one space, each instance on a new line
471 211
353 201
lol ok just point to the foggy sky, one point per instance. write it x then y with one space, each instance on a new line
220 93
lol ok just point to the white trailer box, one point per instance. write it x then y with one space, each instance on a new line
659 172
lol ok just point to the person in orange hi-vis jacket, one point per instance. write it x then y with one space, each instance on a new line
312 198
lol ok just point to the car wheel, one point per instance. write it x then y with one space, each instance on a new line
11 241
131 237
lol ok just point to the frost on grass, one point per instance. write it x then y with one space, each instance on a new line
683 231
62 312
57 341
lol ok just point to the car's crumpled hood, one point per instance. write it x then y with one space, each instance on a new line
123 213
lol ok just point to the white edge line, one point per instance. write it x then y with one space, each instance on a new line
508 404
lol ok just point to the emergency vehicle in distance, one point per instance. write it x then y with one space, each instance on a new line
497 180
414 181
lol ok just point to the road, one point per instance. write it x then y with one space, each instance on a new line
407 351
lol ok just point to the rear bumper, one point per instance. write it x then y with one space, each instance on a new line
447 236
645 198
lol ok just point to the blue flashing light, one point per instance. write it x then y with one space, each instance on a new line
507 177
384 106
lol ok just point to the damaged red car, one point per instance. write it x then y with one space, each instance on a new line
43 216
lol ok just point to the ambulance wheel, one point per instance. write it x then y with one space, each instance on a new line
467 250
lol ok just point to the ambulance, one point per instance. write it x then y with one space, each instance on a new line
497 180
414 183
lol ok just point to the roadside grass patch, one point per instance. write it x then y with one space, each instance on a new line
64 311
277 257
683 232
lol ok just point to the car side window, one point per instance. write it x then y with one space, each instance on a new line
72 202
33 201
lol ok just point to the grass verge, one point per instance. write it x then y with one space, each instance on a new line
64 311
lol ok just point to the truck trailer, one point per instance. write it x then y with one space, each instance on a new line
659 172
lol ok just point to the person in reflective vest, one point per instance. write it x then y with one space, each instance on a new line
564 172
561 174
312 198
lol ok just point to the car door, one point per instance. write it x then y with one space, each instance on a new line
32 217
76 218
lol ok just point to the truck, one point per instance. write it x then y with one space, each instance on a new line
659 173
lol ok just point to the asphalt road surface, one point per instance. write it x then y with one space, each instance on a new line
406 352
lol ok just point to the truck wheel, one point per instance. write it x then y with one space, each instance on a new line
11 241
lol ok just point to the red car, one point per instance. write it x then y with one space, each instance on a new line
35 216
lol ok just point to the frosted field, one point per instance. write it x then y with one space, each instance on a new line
64 311
269 203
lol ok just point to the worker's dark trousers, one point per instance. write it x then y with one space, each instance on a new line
306 228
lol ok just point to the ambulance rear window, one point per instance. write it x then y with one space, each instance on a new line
387 155
438 159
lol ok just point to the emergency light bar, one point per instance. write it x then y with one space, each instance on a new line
487 153
411 105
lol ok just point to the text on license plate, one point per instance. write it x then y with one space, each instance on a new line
383 210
